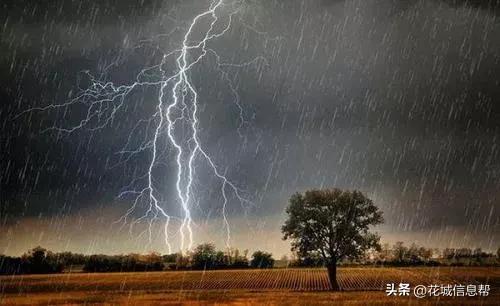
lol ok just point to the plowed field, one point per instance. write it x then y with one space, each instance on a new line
63 286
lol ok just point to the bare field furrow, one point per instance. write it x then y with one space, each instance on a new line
350 279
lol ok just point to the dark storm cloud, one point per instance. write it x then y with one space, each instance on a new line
397 98
416 98
488 5
44 47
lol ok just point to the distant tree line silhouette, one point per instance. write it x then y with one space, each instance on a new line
399 254
124 263
206 257
35 261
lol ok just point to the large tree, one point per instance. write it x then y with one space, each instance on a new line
333 224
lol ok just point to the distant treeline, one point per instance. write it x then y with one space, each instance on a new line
41 261
36 261
206 256
399 254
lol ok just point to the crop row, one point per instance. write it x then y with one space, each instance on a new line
273 279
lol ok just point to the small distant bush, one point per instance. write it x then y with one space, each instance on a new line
262 260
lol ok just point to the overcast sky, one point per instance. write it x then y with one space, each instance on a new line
399 99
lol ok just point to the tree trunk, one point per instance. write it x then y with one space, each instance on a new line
332 276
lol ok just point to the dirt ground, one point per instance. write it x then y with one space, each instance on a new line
361 286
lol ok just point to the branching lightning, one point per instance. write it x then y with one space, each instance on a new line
177 104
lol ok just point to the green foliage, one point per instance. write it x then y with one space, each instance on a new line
124 263
170 258
204 256
331 223
262 260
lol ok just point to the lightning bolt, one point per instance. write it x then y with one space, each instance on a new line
177 106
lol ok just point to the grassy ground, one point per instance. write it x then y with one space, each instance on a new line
362 286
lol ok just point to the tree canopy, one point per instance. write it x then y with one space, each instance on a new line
332 223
